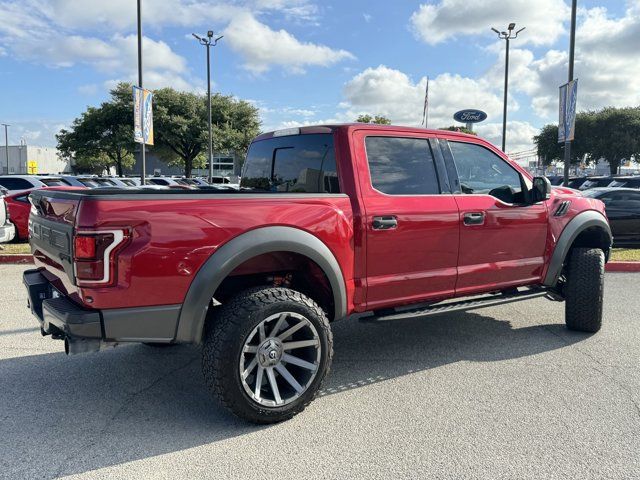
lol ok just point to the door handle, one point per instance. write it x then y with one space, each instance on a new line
473 218
385 223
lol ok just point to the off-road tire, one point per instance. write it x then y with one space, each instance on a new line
224 338
584 290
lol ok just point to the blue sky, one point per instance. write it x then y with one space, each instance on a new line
304 62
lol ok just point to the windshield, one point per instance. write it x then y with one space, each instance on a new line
292 164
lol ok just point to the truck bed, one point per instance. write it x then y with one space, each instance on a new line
172 233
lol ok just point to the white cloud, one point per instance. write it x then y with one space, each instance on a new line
110 47
606 73
302 112
121 14
519 134
392 93
301 10
35 132
263 47
464 19
36 31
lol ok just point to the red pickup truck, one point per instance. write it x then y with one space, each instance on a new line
330 221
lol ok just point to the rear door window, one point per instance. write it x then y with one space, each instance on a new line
292 164
401 166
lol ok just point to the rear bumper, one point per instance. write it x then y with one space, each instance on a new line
7 232
60 316
56 313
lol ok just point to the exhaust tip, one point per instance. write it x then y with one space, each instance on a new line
73 346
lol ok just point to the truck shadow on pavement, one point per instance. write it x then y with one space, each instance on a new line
63 415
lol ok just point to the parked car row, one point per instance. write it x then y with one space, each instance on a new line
18 183
15 190
586 183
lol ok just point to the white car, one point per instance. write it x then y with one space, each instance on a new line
7 229
17 183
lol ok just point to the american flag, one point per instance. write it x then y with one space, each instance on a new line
425 111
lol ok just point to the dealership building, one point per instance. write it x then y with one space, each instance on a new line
29 159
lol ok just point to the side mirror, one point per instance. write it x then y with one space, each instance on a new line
541 190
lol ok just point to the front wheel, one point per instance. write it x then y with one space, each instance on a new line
266 353
584 290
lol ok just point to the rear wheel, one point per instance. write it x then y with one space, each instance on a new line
266 353
584 289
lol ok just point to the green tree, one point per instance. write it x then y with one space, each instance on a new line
455 128
379 119
549 150
612 134
181 128
102 136
617 135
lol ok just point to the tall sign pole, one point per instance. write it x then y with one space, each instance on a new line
507 35
143 160
209 42
209 107
504 103
572 46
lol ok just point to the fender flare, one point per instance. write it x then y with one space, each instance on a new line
242 248
575 227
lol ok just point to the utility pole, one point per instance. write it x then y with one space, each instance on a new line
507 36
6 143
143 160
208 42
572 47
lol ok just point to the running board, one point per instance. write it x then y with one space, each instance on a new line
460 305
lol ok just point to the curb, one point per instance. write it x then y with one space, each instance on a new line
623 267
12 259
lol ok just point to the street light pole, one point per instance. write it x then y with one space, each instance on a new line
143 160
6 143
507 36
208 42
572 47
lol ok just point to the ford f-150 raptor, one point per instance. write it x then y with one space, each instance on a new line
329 221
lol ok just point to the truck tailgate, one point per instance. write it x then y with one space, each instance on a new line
51 226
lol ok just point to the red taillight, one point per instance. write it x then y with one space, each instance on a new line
93 255
85 247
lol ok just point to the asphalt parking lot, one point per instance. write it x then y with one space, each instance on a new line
502 392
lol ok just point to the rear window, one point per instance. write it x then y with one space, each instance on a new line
104 182
54 182
292 164
88 182
158 181
15 183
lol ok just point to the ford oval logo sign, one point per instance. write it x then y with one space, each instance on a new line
469 116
